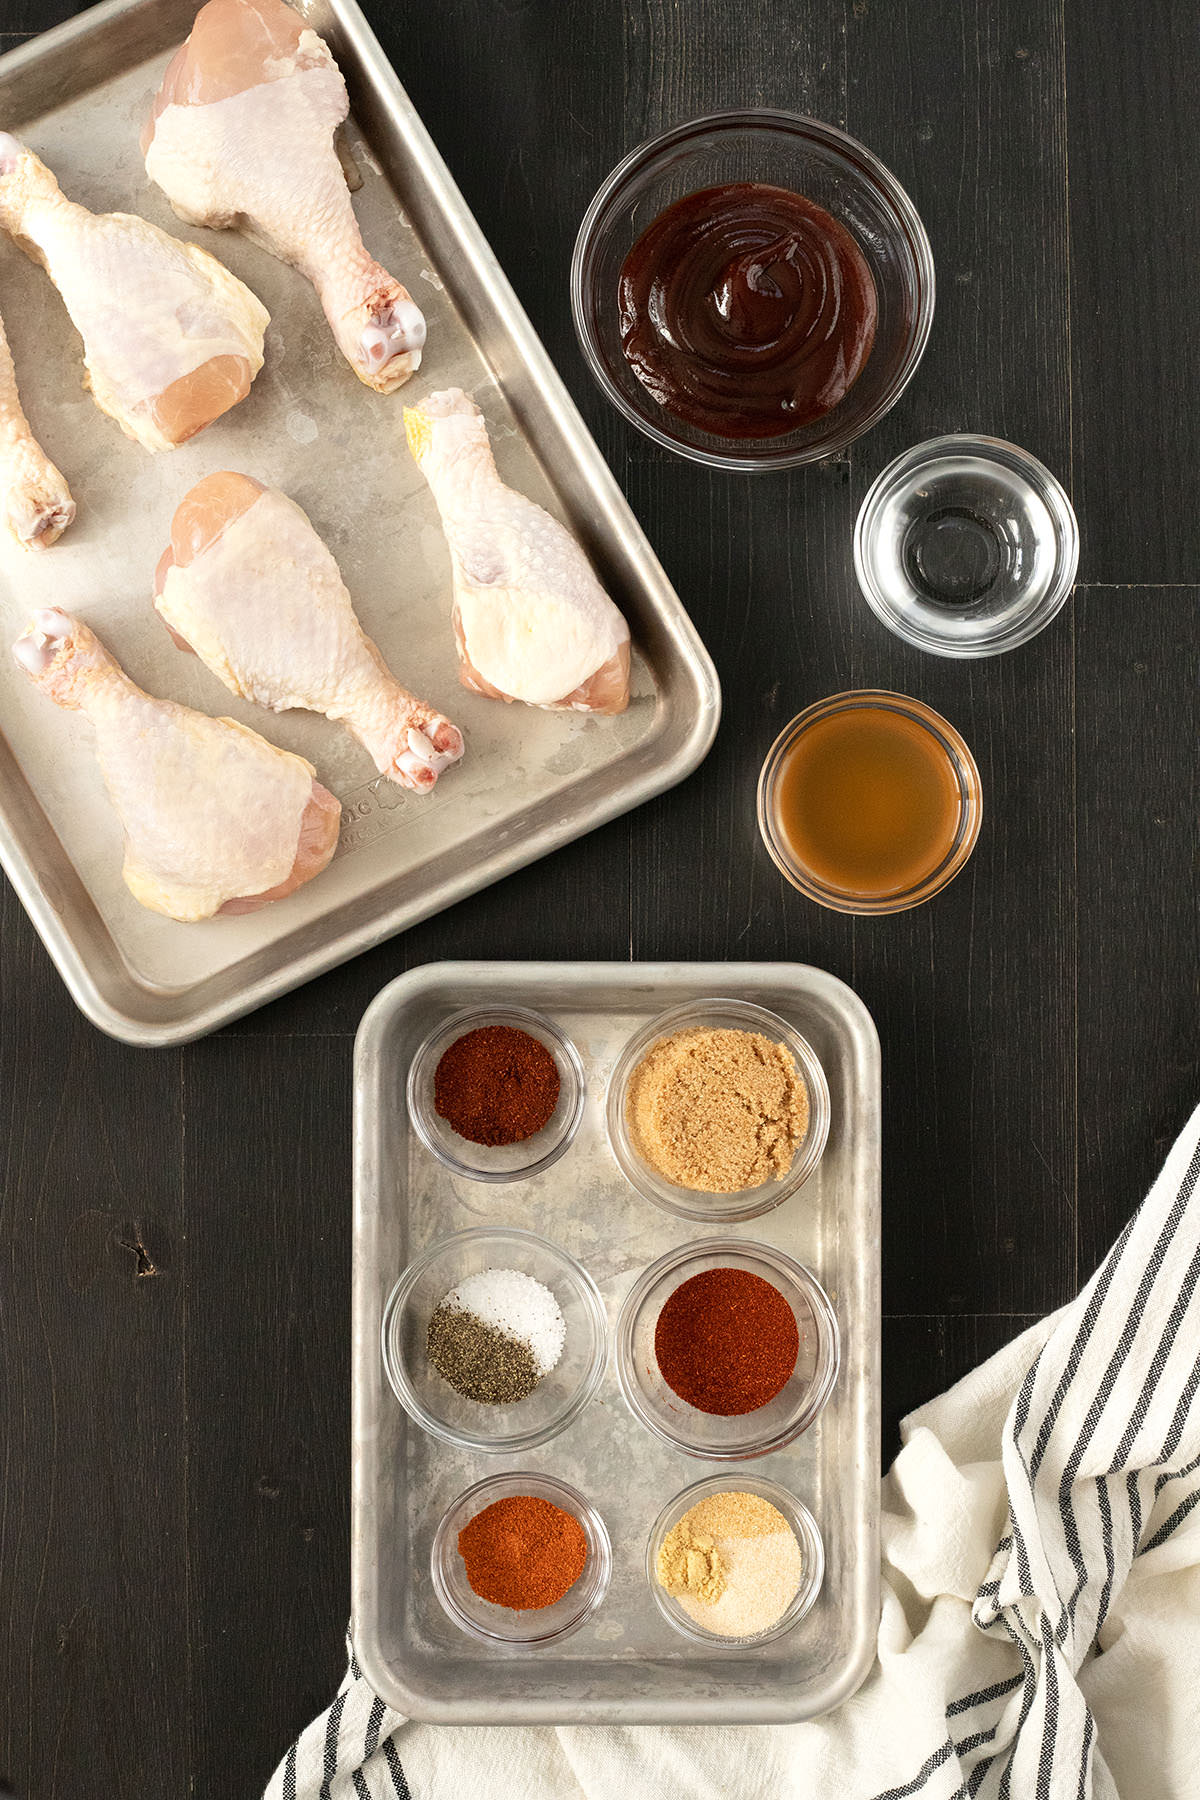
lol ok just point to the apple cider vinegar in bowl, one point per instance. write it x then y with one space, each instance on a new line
869 802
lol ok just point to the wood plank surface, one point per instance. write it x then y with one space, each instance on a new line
174 1227
1134 145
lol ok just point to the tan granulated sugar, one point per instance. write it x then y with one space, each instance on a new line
717 1110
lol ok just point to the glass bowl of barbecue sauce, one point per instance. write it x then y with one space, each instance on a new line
753 290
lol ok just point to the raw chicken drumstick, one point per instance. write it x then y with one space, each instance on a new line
171 339
216 819
531 620
249 586
242 135
36 500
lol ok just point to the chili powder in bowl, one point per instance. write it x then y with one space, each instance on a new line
533 1543
496 1093
727 1350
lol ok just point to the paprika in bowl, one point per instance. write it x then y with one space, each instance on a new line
531 1540
496 1093
727 1350
443 1409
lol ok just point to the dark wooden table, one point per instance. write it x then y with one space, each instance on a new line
174 1226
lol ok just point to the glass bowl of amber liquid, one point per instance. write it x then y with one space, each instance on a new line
734 1437
783 151
869 802
526 1157
695 1203
530 1628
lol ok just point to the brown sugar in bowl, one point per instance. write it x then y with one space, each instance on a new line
718 1110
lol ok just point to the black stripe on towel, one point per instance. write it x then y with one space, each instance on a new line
395 1771
374 1721
361 1789
1135 1509
1166 1344
1110 1561
922 1775
984 1694
1050 1717
1085 1760
1087 1325
332 1726
289 1775
1174 1522
1157 1364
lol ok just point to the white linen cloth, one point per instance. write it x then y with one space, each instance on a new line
1040 1629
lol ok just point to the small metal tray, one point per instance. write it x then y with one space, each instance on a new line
531 780
626 1665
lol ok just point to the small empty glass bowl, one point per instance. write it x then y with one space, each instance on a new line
784 150
499 1162
540 1626
744 1435
966 546
558 1398
690 1203
812 1554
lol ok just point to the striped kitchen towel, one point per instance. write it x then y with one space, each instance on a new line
1040 1630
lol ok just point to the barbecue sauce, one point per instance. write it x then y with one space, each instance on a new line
747 310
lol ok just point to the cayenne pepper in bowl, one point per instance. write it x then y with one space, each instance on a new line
726 1341
496 1093
496 1085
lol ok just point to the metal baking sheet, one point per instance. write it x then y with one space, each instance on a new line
626 1665
531 780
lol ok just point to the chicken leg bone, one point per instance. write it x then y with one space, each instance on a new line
249 586
243 135
36 500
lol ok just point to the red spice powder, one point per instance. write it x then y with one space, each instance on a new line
726 1341
496 1085
523 1552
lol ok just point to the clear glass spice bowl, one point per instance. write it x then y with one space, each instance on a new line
496 1162
740 1436
812 1555
786 150
559 1397
690 1203
501 1625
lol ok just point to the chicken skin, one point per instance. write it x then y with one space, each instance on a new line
249 586
216 820
171 339
34 497
242 135
531 621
